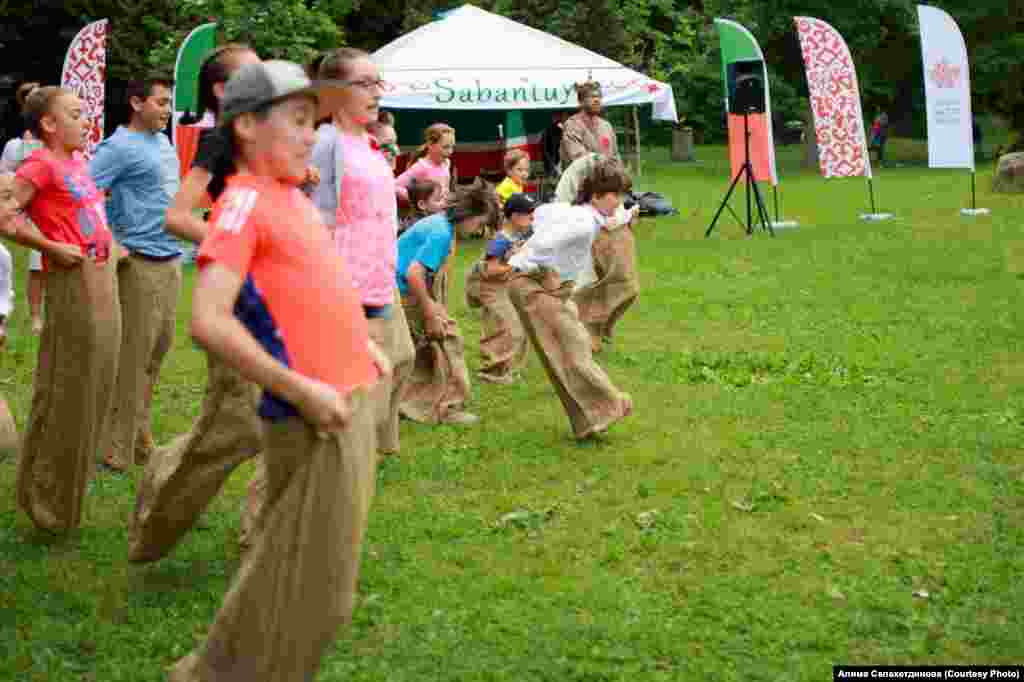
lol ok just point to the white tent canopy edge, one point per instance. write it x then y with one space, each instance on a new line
457 63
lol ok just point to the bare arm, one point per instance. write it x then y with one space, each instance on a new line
182 220
433 312
215 327
19 229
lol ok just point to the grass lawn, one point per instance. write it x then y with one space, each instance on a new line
824 466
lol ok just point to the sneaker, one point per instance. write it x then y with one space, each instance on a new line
460 418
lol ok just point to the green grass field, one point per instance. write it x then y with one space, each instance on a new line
824 466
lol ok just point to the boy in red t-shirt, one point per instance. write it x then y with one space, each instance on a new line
81 338
275 302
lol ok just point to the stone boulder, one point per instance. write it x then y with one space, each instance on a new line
1009 177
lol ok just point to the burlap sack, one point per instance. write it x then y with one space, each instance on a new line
473 279
392 336
148 292
182 477
503 341
78 354
438 382
591 401
297 585
603 302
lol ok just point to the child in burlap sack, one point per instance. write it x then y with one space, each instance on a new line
182 478
296 586
438 388
502 339
546 270
78 352
8 430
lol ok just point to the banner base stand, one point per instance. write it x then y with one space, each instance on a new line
974 211
784 224
876 217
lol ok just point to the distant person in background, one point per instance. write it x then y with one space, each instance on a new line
552 143
425 198
517 174
15 152
503 342
433 161
586 131
9 439
879 135
383 131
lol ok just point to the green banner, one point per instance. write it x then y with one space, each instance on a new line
186 69
737 45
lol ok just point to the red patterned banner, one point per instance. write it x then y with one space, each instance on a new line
835 100
85 71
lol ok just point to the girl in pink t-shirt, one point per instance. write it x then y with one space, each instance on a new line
433 161
367 225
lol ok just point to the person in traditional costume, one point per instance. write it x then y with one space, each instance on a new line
503 343
545 271
438 388
78 351
297 584
587 131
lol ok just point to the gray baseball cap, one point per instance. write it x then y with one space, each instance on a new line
256 86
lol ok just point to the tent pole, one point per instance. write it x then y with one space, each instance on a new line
636 138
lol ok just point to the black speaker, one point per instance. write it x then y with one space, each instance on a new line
746 87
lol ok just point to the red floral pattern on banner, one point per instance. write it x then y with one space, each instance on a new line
835 100
85 71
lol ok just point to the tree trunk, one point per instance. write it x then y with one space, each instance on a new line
810 141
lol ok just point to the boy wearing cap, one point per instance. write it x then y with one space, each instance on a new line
297 584
502 339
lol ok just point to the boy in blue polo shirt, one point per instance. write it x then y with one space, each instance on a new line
131 166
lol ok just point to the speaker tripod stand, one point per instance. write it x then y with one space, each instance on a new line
746 173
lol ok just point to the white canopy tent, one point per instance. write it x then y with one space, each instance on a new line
461 62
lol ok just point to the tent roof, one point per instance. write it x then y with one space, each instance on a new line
458 62
472 37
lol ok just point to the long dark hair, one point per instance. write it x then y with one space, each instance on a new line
479 199
217 67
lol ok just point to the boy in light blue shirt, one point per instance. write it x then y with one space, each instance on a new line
134 167
438 387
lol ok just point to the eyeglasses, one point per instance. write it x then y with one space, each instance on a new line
366 84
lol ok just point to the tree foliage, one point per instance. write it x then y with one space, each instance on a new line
671 40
